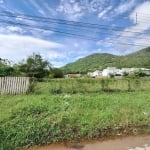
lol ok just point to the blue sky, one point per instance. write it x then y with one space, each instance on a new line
122 27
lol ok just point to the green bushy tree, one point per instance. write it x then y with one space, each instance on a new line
35 66
57 73
5 68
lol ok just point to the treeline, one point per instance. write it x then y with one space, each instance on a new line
34 66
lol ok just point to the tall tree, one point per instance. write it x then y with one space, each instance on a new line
35 66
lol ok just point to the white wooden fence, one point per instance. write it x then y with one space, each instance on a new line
14 85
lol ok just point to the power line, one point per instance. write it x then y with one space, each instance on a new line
141 18
69 34
70 23
143 14
47 29
56 21
73 23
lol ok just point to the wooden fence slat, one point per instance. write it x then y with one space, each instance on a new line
14 85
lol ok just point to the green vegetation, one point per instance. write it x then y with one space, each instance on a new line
6 69
35 66
56 73
74 109
90 63
100 61
90 85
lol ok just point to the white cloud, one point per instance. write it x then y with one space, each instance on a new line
37 7
72 9
103 13
41 7
14 29
57 64
1 1
75 9
143 22
76 45
55 54
126 6
137 34
49 10
11 29
143 40
17 47
138 28
98 5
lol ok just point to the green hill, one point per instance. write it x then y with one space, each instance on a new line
100 61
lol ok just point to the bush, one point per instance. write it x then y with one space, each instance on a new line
57 73
105 84
32 85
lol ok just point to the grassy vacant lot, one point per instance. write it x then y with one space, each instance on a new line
59 111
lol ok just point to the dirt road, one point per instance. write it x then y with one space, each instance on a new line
124 143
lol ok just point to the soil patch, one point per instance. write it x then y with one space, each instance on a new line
123 143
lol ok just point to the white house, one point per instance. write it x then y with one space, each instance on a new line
72 75
111 70
128 70
95 74
116 72
146 70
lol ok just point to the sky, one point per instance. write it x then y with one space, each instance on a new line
63 31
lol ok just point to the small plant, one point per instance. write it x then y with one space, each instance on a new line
125 74
137 83
129 84
31 88
111 75
105 84
56 90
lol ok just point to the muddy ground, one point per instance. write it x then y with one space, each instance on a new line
123 143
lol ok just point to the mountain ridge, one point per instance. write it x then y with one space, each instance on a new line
99 61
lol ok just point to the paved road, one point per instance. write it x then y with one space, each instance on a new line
125 143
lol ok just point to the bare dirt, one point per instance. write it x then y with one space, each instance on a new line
123 143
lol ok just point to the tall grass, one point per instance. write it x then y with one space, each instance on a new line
88 85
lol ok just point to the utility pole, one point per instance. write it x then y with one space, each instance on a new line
136 18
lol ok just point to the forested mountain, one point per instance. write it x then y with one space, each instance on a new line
100 61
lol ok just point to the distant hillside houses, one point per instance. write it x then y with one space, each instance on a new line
116 72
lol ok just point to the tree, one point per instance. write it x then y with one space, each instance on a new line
125 74
139 73
111 75
57 73
5 68
35 66
3 62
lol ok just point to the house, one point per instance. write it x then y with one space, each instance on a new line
111 70
146 70
116 72
72 75
129 70
95 74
